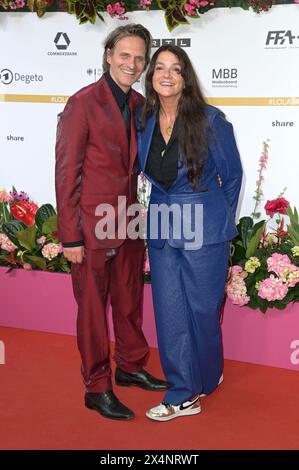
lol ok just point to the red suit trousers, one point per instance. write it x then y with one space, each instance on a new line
116 274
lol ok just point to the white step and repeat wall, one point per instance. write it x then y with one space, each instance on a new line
247 65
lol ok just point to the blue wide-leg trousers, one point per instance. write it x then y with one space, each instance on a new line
188 290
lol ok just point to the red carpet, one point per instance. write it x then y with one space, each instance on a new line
41 405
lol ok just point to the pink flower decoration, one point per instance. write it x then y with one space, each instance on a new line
145 4
190 9
116 9
272 289
6 244
236 288
110 10
277 206
51 250
4 196
281 265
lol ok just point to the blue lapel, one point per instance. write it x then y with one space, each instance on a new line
144 147
146 139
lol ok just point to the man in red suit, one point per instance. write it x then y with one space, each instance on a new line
95 164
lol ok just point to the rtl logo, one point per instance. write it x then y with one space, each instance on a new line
180 42
224 73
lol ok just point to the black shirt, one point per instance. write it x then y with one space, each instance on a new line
162 162
120 96
122 100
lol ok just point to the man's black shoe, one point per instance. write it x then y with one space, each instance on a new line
108 405
140 379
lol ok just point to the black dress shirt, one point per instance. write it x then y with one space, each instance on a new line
122 100
162 161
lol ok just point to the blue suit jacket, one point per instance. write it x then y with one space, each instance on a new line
218 203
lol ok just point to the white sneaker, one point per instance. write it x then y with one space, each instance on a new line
219 382
166 411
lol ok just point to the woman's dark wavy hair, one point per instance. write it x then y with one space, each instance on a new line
191 124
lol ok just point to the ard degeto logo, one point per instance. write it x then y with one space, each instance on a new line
282 39
181 42
62 41
6 76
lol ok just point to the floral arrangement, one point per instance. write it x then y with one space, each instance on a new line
265 259
28 234
176 12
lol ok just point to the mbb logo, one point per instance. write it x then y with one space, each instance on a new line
225 73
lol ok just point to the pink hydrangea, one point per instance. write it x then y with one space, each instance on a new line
272 289
293 278
51 250
6 244
236 287
41 240
280 264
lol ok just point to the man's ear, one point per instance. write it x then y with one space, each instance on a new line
108 55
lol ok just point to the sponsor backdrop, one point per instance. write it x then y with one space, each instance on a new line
247 65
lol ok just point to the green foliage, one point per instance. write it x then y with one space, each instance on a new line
27 238
174 12
43 213
294 225
36 244
12 228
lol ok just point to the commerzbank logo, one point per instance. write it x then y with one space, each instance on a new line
8 76
62 42
282 39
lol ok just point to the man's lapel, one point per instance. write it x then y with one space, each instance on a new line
111 109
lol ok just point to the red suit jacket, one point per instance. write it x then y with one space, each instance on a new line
94 164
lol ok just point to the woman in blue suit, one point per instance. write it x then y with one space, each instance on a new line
188 152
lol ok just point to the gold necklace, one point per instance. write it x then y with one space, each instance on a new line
169 128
